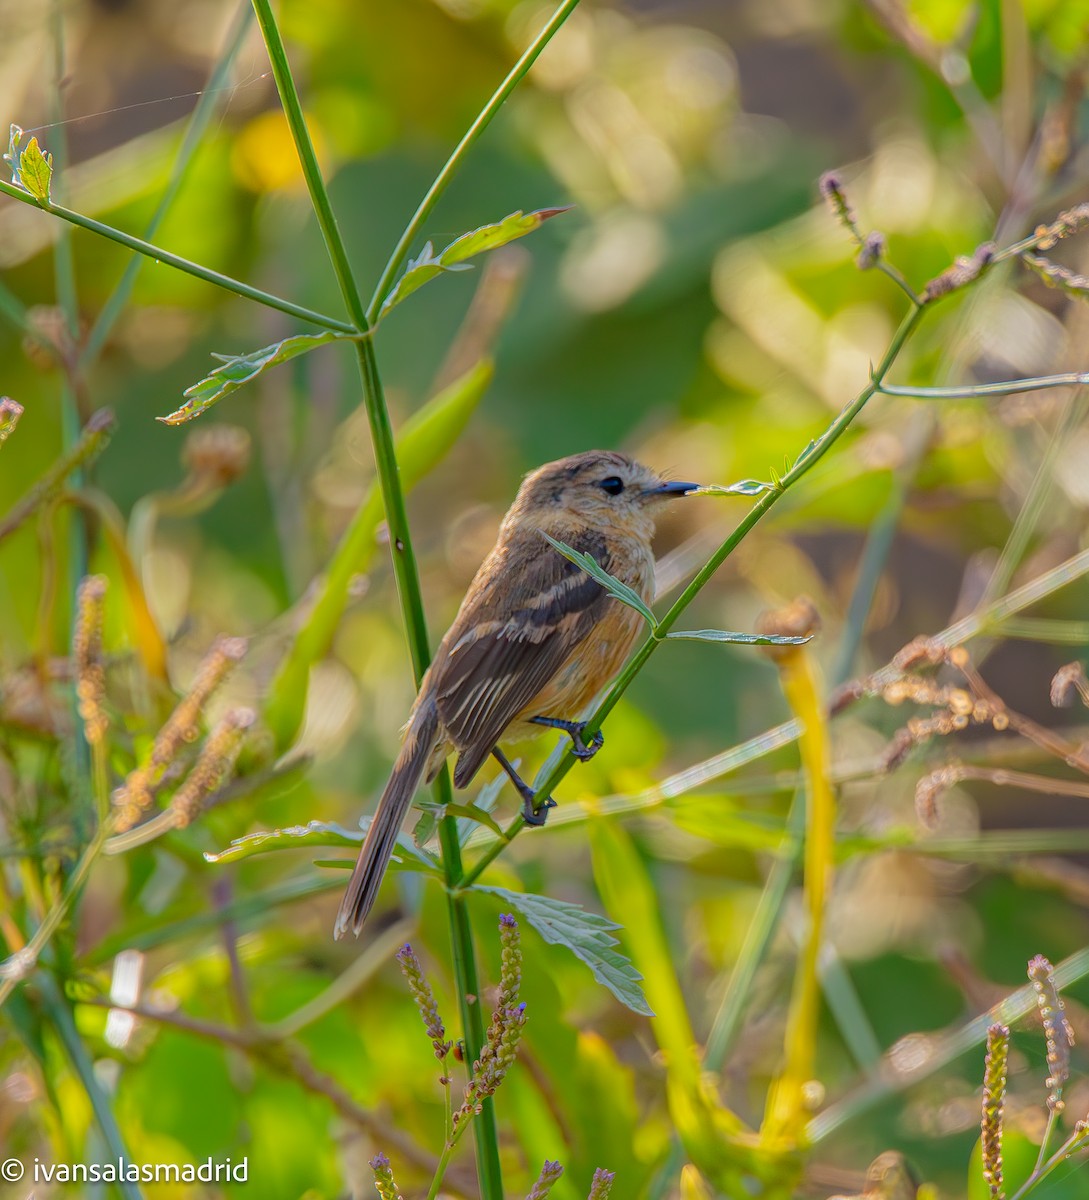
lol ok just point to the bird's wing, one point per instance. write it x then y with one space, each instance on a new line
514 640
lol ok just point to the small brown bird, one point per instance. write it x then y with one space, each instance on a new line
535 639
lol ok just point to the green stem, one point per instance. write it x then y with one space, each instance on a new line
61 1017
194 132
1035 501
1076 1141
308 159
64 273
1045 1141
943 1048
440 1170
181 264
15 969
1005 387
442 180
405 570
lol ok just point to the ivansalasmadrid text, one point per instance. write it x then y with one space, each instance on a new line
122 1171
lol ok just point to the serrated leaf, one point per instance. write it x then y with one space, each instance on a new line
315 833
620 591
740 639
587 935
744 487
31 167
236 371
488 237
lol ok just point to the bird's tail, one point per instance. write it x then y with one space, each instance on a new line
382 835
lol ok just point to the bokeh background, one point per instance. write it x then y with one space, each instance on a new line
699 308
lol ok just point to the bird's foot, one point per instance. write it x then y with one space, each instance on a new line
533 814
534 811
574 729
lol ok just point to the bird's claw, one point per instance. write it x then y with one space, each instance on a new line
573 729
533 813
580 749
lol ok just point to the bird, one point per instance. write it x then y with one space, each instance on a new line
535 640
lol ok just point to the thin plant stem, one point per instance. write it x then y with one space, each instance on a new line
61 1018
942 1048
194 132
14 970
879 539
442 179
1076 1141
178 262
440 1170
375 955
1005 387
1031 510
64 273
308 159
1045 1141
405 568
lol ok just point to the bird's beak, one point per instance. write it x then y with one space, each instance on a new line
673 488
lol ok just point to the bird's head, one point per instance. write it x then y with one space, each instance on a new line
599 488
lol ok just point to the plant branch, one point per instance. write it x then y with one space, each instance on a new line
178 263
1008 387
404 560
442 180
941 1049
308 159
61 1017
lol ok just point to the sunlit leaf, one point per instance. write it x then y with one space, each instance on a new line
470 816
488 237
315 833
236 371
31 166
610 583
740 639
743 487
587 935
468 812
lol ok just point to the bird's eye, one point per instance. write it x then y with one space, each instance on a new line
614 485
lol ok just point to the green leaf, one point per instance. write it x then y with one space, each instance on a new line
31 166
744 487
740 639
470 816
469 812
616 589
488 237
315 833
587 935
237 371
421 445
